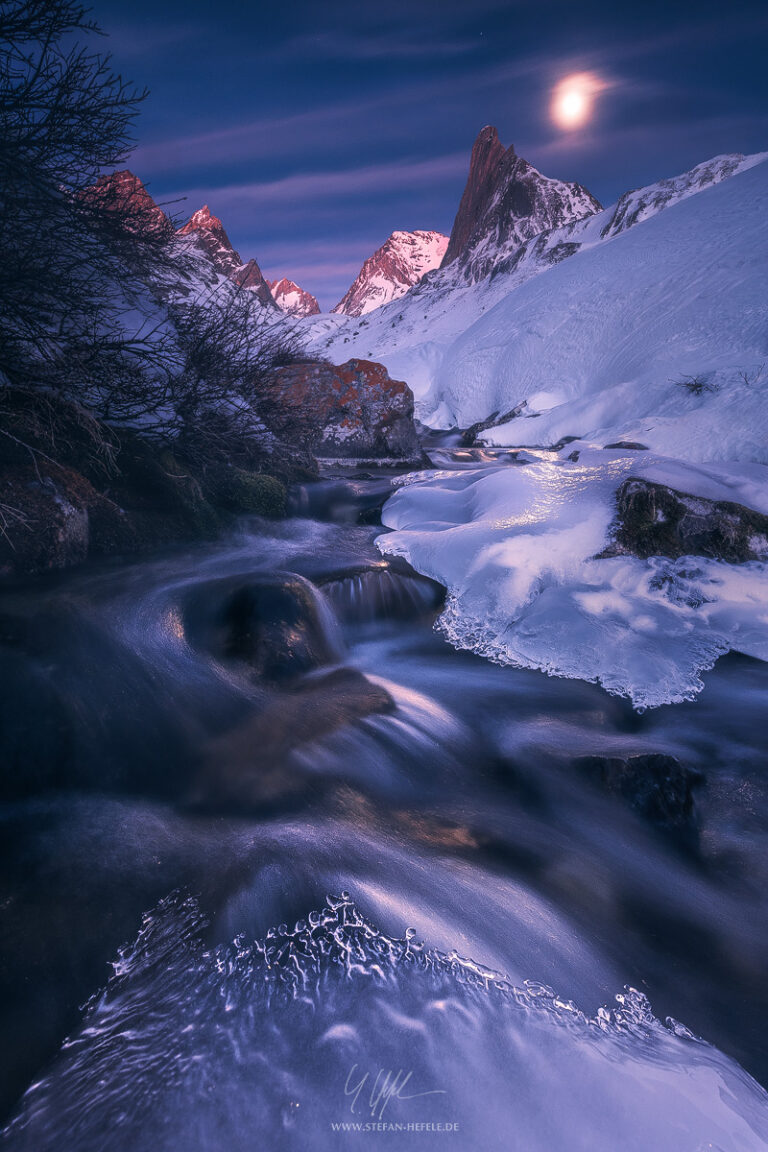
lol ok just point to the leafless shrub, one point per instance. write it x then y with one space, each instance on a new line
751 378
696 385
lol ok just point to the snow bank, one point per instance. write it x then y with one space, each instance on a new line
601 318
515 545
658 334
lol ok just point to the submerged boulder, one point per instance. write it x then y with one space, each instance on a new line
278 625
658 787
354 410
655 520
259 763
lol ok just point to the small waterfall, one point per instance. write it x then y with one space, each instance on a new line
380 593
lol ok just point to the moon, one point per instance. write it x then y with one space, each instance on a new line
573 99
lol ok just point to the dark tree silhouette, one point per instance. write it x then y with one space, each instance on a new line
71 258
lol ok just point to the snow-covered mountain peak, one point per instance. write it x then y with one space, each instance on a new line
203 218
506 202
207 232
292 299
126 193
394 268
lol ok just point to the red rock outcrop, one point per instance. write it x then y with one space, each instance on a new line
352 410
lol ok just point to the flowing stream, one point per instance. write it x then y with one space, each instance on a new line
277 860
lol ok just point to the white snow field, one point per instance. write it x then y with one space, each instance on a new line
671 282
516 544
607 334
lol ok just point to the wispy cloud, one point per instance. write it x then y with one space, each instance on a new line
316 187
393 44
399 112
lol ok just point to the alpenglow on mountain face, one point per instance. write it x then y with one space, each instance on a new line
208 232
292 299
506 201
392 270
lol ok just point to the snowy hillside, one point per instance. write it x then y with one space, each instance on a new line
548 328
392 270
653 334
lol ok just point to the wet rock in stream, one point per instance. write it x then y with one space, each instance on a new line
655 520
253 766
657 787
277 624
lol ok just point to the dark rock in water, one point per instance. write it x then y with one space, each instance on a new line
658 787
627 446
353 411
654 520
252 767
277 624
469 438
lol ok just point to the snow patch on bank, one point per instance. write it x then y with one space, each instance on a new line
516 547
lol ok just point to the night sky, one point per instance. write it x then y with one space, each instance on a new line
315 128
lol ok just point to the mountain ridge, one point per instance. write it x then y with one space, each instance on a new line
401 261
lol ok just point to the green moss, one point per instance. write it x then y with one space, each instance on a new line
258 493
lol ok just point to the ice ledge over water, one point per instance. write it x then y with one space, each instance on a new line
516 546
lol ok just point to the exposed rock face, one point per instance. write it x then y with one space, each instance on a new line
354 410
292 299
634 207
124 192
482 183
392 270
208 233
654 520
506 202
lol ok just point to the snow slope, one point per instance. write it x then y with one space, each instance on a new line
602 344
516 546
621 300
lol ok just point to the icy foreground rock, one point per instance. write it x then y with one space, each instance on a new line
261 1043
517 545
